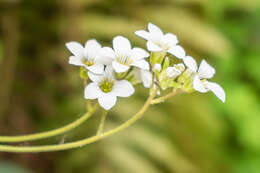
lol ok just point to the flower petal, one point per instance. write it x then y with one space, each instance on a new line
109 72
198 85
155 30
153 47
92 44
75 61
147 78
143 34
119 68
138 53
142 64
94 77
190 63
217 90
96 68
123 88
170 39
107 101
75 48
106 55
121 45
92 91
205 70
177 51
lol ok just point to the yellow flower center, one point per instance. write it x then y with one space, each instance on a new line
106 86
88 61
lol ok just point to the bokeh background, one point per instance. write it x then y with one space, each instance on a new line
192 133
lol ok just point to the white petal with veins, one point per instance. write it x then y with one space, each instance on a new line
142 64
123 88
75 61
96 68
198 85
144 34
107 101
177 51
205 70
190 63
75 48
121 45
153 47
138 53
92 91
217 90
119 68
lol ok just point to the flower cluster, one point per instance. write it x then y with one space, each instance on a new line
113 72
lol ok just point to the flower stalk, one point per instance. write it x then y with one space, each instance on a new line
51 133
102 123
83 142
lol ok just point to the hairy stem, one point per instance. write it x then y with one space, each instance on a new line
80 143
23 138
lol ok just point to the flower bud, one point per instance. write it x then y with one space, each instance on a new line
157 57
157 67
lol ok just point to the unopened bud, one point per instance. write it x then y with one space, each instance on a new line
157 67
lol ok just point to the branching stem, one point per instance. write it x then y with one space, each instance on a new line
163 98
80 143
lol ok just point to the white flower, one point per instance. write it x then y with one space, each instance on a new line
87 56
158 42
205 71
123 56
106 88
176 70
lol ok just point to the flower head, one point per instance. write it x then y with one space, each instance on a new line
106 88
123 55
157 41
87 56
204 72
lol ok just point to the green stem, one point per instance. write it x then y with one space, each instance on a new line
80 143
102 122
163 98
23 138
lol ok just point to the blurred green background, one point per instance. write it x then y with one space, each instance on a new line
193 133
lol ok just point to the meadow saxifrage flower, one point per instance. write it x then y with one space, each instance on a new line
106 88
204 72
123 55
87 56
157 41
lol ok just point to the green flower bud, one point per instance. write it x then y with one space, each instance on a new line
83 73
186 80
157 58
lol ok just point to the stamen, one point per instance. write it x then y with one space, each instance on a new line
88 61
106 85
125 60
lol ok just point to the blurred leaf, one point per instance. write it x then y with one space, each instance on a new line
8 167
